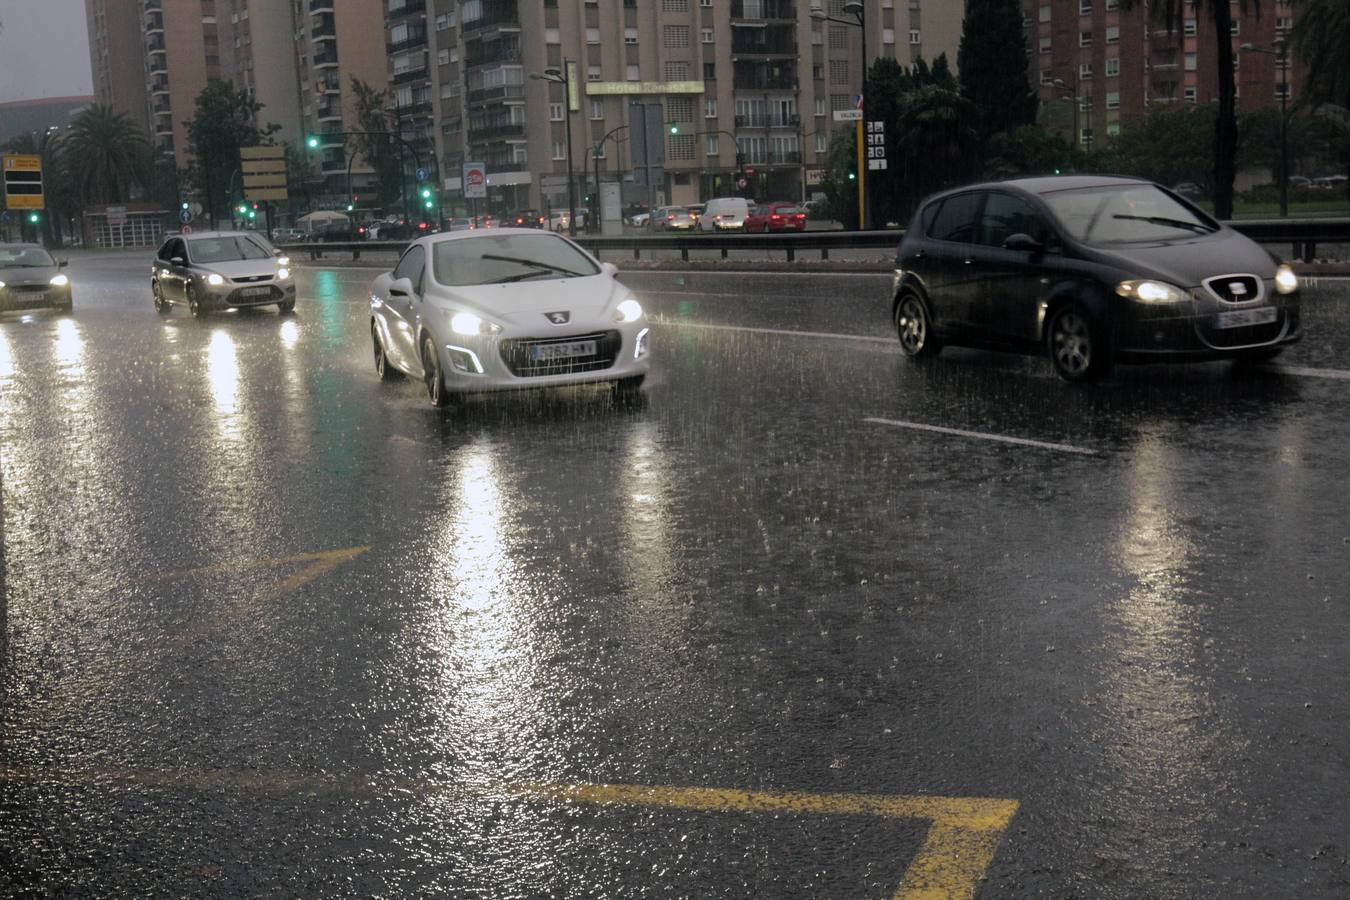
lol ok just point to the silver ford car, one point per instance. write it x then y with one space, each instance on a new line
220 270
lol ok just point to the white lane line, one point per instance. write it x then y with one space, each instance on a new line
1336 374
809 334
1001 438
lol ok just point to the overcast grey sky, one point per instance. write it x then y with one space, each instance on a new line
44 50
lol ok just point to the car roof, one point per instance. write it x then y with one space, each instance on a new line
22 246
214 234
482 233
1039 185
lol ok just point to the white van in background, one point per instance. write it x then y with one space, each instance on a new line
724 214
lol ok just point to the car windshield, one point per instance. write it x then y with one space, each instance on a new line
502 258
786 210
24 257
1125 214
225 249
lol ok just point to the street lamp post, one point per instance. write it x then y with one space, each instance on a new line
561 76
857 10
1077 102
314 141
1281 54
595 155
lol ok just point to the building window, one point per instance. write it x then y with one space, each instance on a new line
1284 92
838 71
597 109
1044 14
1113 4
675 5
679 109
592 35
559 150
681 146
1190 62
710 108
817 72
592 73
630 35
677 71
888 35
631 74
1047 77
707 35
840 101
1085 7
1188 94
1112 67
817 35
822 143
820 106
520 154
1188 28
1113 99
1085 39
555 112
1084 71
1044 46
838 37
675 37
443 56
713 145
709 71
1113 34
915 38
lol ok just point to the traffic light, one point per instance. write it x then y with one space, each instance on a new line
674 128
852 176
243 209
350 207
427 200
183 205
312 142
34 217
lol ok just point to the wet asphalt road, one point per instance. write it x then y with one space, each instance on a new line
272 628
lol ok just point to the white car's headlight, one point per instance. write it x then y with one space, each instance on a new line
1286 282
214 280
628 311
1146 291
468 323
283 260
60 280
283 273
2 284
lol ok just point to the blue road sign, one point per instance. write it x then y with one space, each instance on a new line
185 216
4 216
422 174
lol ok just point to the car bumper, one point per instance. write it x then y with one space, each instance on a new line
234 296
48 298
483 363
1191 333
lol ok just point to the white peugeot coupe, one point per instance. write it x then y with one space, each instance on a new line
509 308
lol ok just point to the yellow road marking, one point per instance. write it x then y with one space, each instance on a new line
953 858
320 563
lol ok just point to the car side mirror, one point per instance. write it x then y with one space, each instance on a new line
608 268
1023 243
176 260
62 263
401 287
276 252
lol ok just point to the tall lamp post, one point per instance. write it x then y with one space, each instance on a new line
1077 104
560 76
855 8
1281 54
595 155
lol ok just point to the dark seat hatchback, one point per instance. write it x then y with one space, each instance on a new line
1090 270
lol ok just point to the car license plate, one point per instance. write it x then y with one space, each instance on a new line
1237 318
543 352
255 292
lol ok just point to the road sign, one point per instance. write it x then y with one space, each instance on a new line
23 182
475 181
185 216
264 170
186 229
422 174
749 170
848 115
741 183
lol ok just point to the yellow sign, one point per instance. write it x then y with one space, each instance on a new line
262 152
23 163
23 182
644 87
264 171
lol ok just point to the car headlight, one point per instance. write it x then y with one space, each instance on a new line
468 323
1146 291
283 273
283 260
59 280
1286 282
628 311
2 285
214 280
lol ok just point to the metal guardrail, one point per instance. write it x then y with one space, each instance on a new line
1303 234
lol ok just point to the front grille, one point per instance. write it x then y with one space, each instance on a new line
515 353
1236 288
248 279
28 288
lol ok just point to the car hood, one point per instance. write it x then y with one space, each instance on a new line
28 274
1188 262
525 302
241 268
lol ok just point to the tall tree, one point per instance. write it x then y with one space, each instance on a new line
225 119
102 152
381 152
1321 38
993 65
1170 13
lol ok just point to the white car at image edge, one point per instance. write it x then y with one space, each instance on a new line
505 309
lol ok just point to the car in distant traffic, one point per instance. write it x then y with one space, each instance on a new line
509 308
458 223
639 219
775 217
673 218
31 278
559 219
724 214
1089 270
287 235
216 270
524 218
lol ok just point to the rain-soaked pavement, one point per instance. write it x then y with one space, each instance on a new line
270 627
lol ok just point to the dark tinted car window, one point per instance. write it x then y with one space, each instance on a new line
1005 215
956 220
411 265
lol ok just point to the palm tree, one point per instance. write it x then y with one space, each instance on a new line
1321 37
103 151
1170 14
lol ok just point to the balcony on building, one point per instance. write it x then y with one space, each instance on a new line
768 120
758 10
417 109
503 47
320 6
330 111
154 43
159 86
326 55
1163 59
163 124
417 38
158 64
495 14
154 23
160 106
154 5
764 40
494 129
764 75
323 28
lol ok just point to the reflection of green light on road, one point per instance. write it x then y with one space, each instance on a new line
684 309
337 420
328 296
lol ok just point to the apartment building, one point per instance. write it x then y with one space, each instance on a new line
117 57
1097 65
260 57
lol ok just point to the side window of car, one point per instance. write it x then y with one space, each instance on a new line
1005 215
164 251
411 266
176 249
956 220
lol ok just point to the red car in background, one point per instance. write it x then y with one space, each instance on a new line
776 217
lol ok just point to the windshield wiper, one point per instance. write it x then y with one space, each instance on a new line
537 273
1170 223
534 264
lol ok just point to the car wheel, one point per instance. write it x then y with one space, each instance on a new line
383 367
914 327
286 306
431 374
162 306
1075 345
196 305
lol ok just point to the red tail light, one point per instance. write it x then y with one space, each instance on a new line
776 217
422 225
670 218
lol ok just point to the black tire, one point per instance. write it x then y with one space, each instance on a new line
285 307
196 305
383 367
1076 347
914 328
432 375
162 306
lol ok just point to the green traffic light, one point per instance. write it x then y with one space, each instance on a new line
426 193
429 204
350 207
33 217
184 205
312 142
253 214
852 177
242 209
674 129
